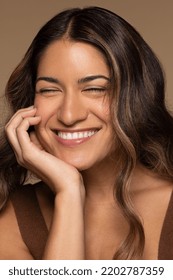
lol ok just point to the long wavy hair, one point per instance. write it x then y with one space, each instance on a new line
141 123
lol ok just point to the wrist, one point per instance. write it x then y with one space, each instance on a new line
70 196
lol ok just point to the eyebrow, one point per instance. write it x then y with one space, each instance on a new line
80 81
92 78
48 79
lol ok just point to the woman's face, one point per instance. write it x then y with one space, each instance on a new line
72 98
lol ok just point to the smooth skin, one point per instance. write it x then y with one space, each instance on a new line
72 96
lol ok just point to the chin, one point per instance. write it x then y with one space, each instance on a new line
80 166
79 163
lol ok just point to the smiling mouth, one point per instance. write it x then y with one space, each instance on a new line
75 135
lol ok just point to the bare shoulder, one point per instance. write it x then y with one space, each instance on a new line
11 243
149 183
152 195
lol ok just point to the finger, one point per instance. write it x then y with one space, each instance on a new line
11 129
20 140
12 138
22 134
17 119
35 140
14 122
20 115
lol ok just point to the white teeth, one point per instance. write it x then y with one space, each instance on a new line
69 136
75 135
86 134
81 135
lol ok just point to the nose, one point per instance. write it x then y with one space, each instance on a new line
72 109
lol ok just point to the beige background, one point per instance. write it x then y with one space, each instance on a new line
20 21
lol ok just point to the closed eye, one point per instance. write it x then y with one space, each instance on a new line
48 91
95 89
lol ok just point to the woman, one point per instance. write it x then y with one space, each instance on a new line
98 137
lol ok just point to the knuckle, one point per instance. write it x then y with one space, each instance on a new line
26 157
23 159
6 128
20 161
18 129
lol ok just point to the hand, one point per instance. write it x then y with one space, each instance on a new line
57 174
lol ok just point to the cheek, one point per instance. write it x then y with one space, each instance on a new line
44 109
103 111
39 105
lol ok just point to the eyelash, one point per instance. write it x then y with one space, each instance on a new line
95 89
88 89
47 90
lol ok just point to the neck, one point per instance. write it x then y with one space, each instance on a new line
99 180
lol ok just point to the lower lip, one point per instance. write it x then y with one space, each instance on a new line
73 142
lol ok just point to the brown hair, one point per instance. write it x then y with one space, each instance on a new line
142 124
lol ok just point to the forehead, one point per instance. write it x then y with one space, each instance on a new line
79 56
